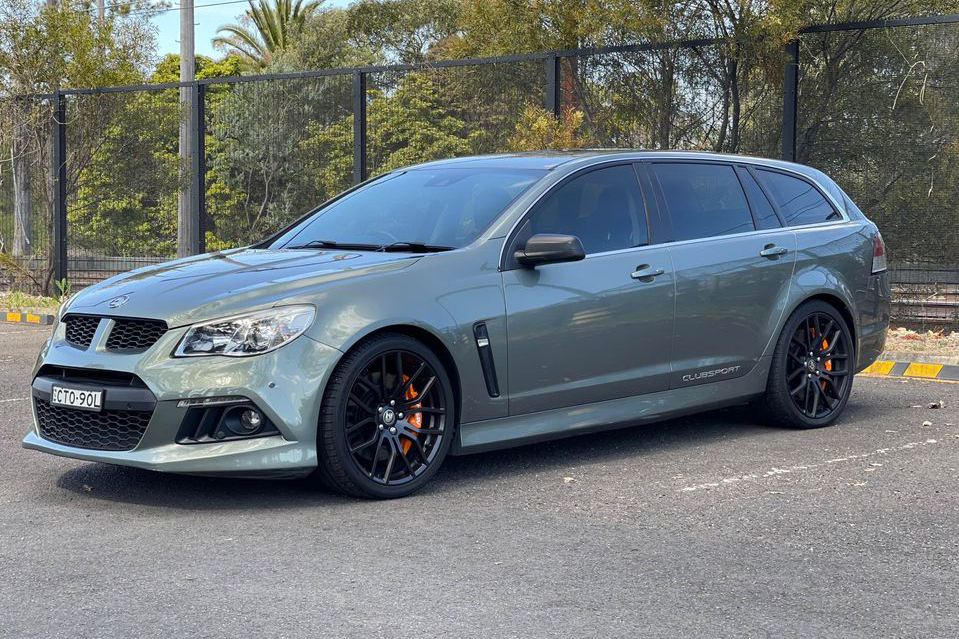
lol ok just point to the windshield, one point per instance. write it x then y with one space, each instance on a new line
441 207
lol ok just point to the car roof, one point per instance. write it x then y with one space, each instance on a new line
548 160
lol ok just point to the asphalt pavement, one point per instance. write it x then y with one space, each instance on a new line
711 526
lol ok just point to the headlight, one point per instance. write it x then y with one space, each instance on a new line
247 335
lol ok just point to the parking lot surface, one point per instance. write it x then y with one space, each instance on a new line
711 526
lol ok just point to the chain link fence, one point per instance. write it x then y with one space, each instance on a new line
873 105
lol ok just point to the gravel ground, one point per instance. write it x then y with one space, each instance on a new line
710 526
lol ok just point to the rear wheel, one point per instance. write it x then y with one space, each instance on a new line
387 419
810 377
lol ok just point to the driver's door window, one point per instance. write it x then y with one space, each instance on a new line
602 208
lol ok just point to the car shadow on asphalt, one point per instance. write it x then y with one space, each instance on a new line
136 486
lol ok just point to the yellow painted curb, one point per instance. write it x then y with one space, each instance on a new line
16 317
915 369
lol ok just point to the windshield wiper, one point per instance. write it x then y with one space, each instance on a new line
332 244
413 247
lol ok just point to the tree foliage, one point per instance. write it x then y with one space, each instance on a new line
275 28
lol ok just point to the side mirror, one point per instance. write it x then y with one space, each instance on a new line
548 248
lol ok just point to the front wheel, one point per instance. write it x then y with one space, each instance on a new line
810 377
387 420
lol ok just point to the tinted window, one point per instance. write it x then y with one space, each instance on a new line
602 208
798 201
763 213
704 200
441 206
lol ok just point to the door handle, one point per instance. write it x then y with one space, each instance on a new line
645 273
773 251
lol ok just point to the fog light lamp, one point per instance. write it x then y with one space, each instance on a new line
250 421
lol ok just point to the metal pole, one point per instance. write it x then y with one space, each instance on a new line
60 268
186 231
790 100
198 171
101 11
553 98
359 127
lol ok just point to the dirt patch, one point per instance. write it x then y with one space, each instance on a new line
904 340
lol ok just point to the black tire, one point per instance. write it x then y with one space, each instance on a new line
416 435
810 377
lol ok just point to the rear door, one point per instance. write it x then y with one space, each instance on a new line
732 262
596 329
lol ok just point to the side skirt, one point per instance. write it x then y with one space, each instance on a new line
516 430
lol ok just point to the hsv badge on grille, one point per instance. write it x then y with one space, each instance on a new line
117 302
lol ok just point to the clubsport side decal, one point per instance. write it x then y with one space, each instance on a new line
695 377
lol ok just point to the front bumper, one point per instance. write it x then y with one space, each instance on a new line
286 385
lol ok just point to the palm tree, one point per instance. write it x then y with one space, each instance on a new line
274 28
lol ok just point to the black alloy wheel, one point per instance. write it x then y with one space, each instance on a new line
811 375
817 370
387 419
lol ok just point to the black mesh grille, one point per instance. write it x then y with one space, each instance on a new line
134 334
106 430
80 329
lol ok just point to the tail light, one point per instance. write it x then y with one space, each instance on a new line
878 253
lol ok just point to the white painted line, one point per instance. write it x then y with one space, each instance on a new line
794 469
15 399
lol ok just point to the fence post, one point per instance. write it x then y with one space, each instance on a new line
198 171
359 126
59 169
790 100
553 97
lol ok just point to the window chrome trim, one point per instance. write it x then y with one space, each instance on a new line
641 156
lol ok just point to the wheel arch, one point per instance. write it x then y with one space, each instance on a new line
429 339
837 302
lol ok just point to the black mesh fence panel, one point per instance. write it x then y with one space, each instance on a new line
879 112
122 181
25 219
678 98
275 149
442 112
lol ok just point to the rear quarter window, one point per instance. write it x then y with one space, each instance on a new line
798 200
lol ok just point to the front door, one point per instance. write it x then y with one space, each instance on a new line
600 328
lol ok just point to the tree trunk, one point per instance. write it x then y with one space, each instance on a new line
22 194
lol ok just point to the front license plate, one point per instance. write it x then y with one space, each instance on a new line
76 398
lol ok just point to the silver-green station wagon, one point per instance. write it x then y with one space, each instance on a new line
472 304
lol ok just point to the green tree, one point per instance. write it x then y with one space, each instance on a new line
414 123
274 30
406 31
42 49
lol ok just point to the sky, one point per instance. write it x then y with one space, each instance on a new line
207 19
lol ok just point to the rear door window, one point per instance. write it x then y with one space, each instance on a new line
798 200
703 200
763 212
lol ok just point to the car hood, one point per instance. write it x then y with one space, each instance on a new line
229 282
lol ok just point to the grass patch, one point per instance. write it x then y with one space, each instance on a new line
23 303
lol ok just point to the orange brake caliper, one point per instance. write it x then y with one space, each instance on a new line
415 419
827 365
